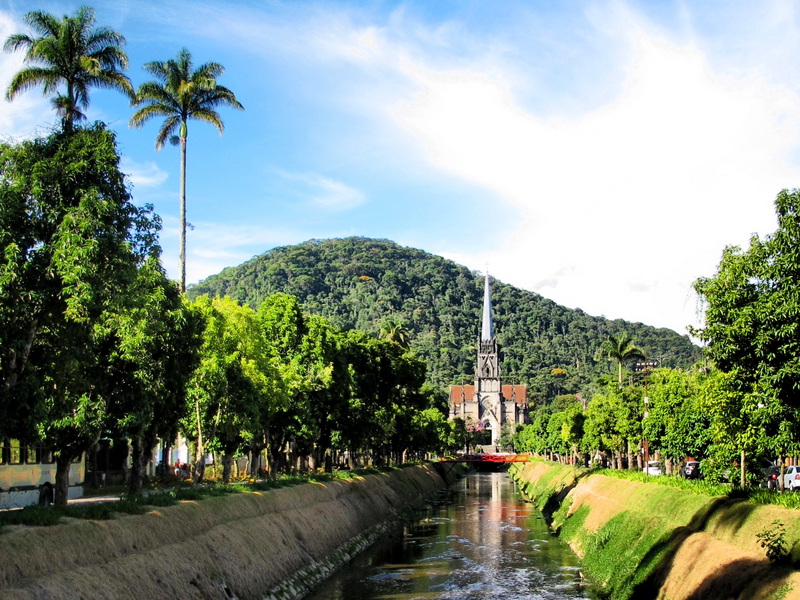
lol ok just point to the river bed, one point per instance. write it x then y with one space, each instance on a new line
481 540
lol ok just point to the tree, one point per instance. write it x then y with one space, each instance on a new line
72 245
69 52
181 93
155 343
620 349
678 422
752 322
393 330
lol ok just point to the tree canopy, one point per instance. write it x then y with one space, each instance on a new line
365 284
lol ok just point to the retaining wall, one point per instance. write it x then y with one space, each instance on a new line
274 544
645 540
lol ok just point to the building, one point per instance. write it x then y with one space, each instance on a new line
489 402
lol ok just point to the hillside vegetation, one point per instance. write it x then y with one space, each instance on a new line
358 283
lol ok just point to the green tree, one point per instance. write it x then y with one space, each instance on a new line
678 422
155 342
604 429
752 321
619 349
72 53
236 385
180 93
393 330
72 244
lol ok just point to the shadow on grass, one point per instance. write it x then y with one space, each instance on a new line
729 581
742 579
556 499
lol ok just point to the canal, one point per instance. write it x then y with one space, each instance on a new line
478 541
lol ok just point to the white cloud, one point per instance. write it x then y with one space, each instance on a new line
211 247
323 192
146 174
624 206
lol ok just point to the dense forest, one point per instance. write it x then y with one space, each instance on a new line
359 283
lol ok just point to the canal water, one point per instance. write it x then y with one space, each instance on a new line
479 541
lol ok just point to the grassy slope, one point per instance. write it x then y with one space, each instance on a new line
646 540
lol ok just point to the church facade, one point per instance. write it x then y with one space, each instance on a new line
489 402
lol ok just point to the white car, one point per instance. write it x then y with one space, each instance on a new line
654 468
791 478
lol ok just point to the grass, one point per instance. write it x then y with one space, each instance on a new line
136 505
626 555
696 486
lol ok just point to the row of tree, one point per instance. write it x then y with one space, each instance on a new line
356 282
95 339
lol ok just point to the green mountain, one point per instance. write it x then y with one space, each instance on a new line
358 282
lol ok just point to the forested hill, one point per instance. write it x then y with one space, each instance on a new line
358 282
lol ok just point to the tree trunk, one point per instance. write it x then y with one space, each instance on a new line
165 460
183 207
630 458
199 455
63 463
743 470
351 460
227 463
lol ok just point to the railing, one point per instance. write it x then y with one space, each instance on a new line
500 457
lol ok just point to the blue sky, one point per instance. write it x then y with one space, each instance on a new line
600 153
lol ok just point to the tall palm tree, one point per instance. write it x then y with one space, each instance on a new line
620 349
72 53
179 94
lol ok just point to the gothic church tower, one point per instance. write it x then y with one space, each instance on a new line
489 402
487 369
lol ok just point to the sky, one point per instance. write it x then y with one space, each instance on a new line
599 153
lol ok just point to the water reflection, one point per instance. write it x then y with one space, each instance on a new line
482 541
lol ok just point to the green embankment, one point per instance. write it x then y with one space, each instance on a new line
645 540
274 544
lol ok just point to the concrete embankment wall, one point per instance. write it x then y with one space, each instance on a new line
645 540
248 546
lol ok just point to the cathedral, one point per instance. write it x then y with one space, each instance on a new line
489 402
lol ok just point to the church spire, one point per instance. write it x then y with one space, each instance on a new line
487 329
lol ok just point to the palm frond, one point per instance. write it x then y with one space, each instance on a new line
33 77
209 116
72 52
43 23
114 80
17 41
150 111
167 130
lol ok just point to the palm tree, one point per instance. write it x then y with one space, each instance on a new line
619 349
179 94
394 331
69 52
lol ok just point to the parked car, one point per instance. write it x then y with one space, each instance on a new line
791 478
691 470
653 468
